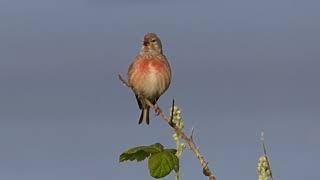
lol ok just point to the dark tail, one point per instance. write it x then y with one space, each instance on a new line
144 116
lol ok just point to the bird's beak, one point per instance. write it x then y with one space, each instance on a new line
145 43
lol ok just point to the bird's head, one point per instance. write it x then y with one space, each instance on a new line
151 44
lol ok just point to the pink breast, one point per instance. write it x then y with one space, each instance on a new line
149 65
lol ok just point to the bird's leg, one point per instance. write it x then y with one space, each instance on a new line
150 104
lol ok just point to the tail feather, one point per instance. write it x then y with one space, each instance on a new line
144 116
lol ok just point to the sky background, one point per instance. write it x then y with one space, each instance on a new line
238 67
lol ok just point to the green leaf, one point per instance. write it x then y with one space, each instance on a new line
173 151
162 163
140 153
176 159
157 146
176 163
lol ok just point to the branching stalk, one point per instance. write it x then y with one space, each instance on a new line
188 139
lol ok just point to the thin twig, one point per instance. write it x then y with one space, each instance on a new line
171 123
172 111
191 134
124 82
189 140
265 154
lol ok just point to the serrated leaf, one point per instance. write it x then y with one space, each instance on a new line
157 146
162 163
173 151
138 156
175 163
176 159
140 153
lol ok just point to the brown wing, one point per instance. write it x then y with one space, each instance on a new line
131 70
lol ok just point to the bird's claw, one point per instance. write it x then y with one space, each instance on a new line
157 110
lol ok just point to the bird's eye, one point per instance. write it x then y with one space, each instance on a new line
153 40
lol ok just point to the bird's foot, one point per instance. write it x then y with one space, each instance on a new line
157 110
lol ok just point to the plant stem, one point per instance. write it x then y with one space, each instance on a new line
189 140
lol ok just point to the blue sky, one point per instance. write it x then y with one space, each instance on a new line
238 67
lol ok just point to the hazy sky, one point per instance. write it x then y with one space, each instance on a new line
238 67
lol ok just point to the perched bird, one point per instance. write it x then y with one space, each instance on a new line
149 75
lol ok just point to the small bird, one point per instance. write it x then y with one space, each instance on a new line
149 75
